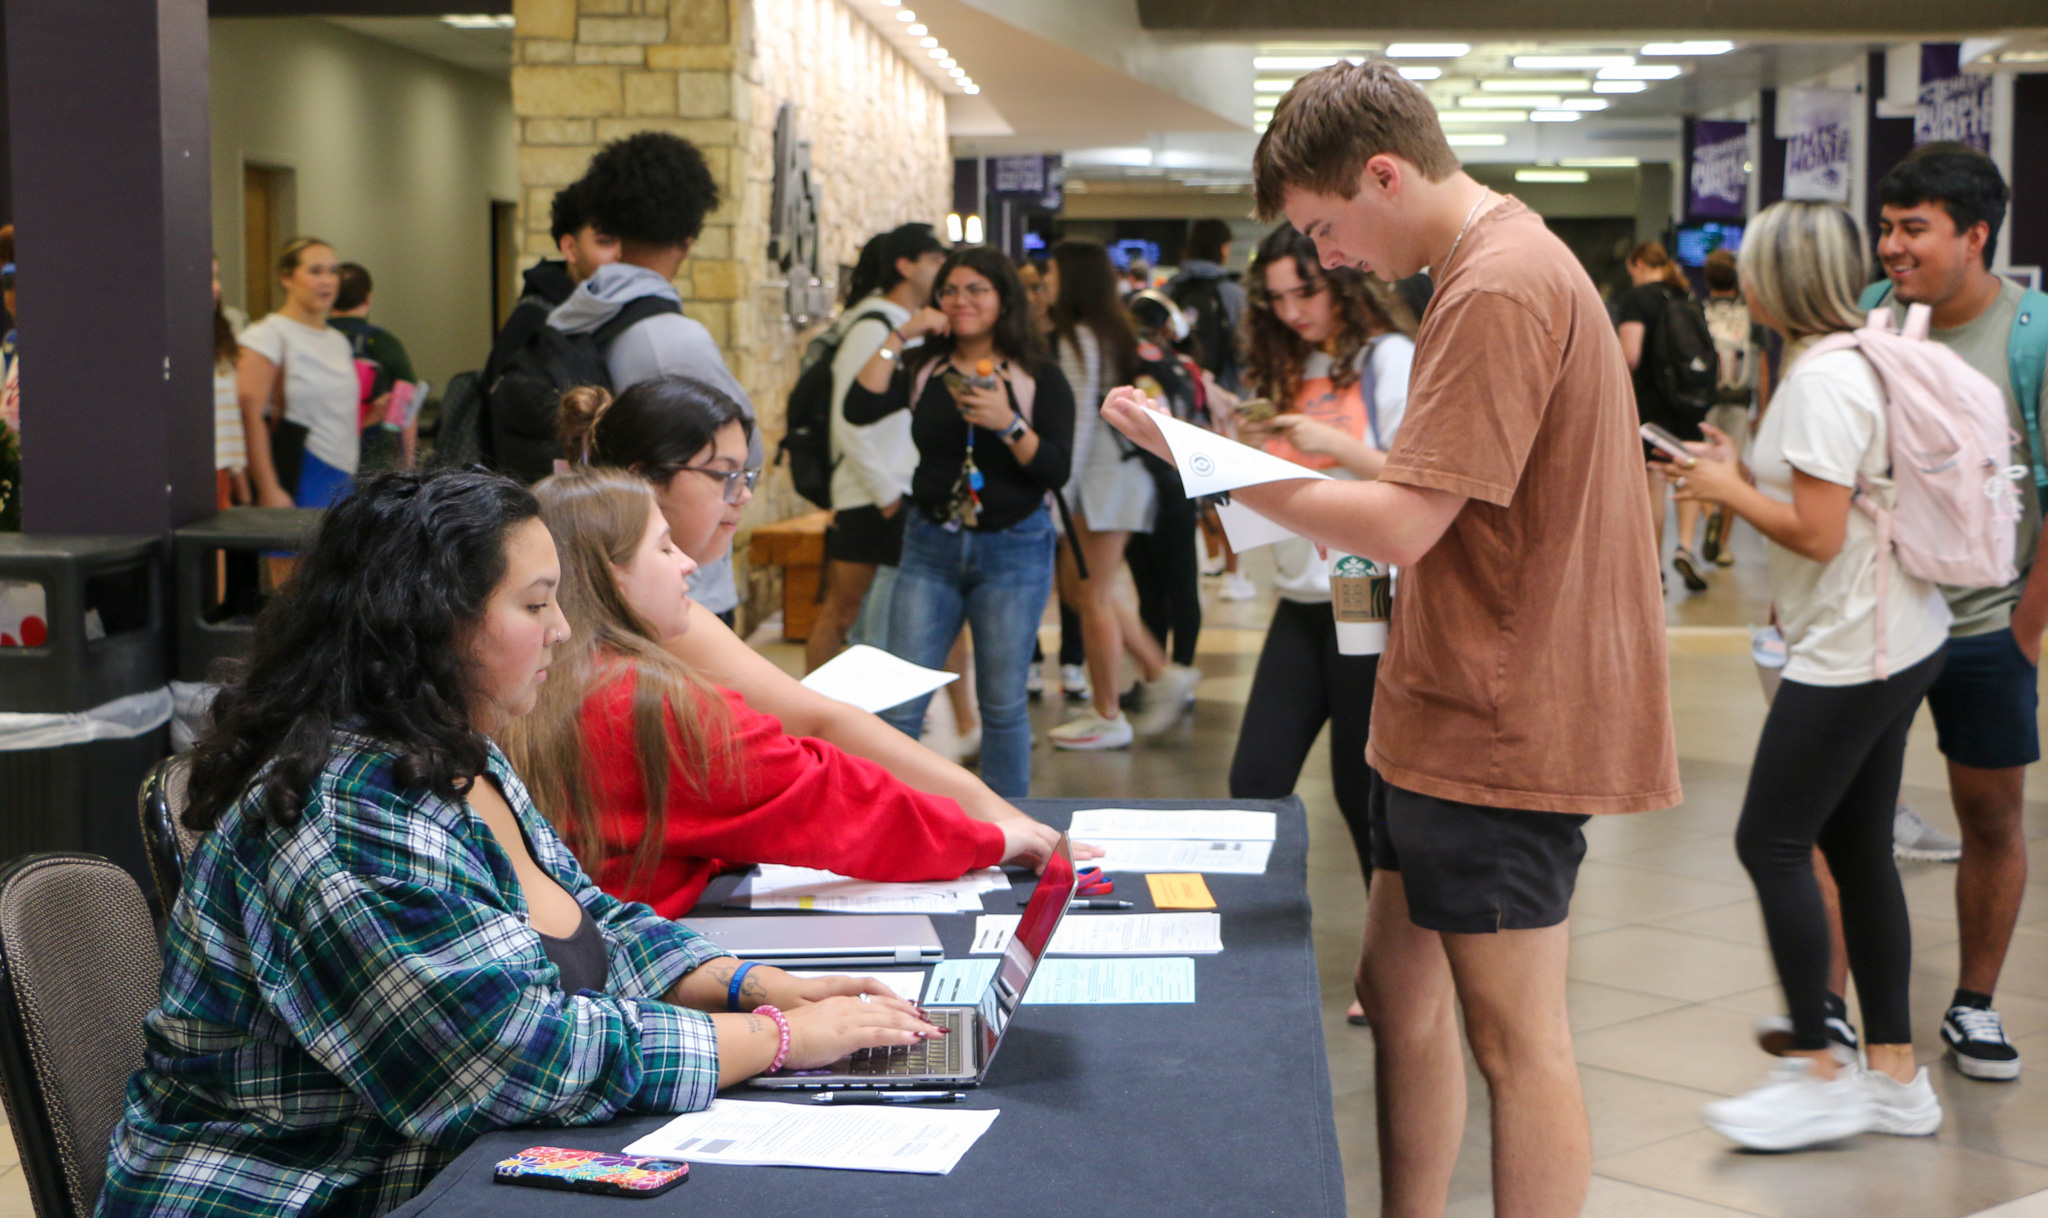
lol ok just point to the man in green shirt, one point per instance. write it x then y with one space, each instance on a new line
1942 207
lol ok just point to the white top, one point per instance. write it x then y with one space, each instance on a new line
1080 361
1827 421
1298 573
321 392
230 448
871 464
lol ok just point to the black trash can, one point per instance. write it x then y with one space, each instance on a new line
100 639
225 569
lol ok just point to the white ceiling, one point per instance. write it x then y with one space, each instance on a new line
480 50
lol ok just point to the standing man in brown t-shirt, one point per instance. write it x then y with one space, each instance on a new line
1524 684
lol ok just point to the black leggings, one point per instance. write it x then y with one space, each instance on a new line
1167 574
1827 773
1302 681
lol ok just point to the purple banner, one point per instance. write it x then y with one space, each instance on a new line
1719 183
1954 105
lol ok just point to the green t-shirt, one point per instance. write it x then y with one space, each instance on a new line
1983 344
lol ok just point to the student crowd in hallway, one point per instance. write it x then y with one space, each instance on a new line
517 700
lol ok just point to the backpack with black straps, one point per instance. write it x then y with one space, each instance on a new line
525 401
1683 362
1214 339
807 434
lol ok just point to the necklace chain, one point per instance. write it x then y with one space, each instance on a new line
1460 239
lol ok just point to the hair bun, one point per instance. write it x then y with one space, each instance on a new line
579 413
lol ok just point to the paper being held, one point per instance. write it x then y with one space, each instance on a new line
1211 464
873 679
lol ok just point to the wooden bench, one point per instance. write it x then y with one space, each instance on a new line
797 545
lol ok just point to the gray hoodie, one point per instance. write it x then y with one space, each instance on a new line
666 344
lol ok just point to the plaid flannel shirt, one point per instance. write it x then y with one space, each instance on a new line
350 1002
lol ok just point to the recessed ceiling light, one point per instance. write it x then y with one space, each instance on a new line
1419 72
1476 100
917 31
956 73
891 3
927 43
1570 63
1555 116
1476 139
937 52
1481 116
950 64
906 15
1584 103
971 88
1557 176
1601 162
1619 86
1642 71
1703 47
1427 50
1537 84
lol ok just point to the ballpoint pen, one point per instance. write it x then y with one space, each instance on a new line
888 1097
1093 904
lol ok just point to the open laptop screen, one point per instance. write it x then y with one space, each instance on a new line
1020 959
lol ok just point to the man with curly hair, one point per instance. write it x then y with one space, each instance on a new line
652 191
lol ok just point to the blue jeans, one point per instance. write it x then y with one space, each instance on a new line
998 584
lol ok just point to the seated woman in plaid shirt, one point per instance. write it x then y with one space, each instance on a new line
381 950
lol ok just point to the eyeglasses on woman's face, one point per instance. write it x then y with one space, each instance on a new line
738 482
976 290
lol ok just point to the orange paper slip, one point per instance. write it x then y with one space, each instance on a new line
1180 892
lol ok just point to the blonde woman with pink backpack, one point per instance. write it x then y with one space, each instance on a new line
1865 637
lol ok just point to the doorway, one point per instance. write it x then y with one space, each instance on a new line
504 262
269 215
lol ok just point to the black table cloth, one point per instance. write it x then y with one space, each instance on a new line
1219 1107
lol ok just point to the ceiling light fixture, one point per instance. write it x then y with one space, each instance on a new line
1586 104
1555 116
1702 47
906 15
1482 116
950 64
927 43
966 88
891 3
478 21
974 233
1300 63
1269 85
1601 162
1418 72
917 31
956 73
1537 84
1476 139
1619 86
1642 71
1570 63
1558 177
937 52
1526 103
1427 50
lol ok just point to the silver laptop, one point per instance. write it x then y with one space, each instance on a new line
830 941
961 1058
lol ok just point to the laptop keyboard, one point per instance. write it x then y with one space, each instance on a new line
939 1055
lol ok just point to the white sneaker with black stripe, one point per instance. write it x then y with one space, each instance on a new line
1976 1039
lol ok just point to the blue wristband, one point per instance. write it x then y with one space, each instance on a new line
732 992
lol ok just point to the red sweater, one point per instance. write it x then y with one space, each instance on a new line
803 802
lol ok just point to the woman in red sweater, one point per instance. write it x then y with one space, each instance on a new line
659 780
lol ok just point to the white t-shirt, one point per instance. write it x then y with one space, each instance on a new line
321 391
1298 573
871 464
1827 421
230 450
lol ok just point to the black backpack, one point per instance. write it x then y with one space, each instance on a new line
458 434
807 434
1215 342
1683 361
524 402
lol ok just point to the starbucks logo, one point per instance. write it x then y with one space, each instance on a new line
1202 464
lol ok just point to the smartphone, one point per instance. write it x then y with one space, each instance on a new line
1256 410
591 1171
1666 441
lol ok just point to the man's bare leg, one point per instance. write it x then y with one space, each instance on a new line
1992 878
1511 985
846 586
1419 1067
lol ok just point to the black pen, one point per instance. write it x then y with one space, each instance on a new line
888 1097
1092 904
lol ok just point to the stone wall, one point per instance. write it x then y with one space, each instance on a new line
715 72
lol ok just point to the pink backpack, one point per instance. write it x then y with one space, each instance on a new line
1952 521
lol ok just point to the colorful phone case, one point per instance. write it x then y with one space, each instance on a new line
591 1171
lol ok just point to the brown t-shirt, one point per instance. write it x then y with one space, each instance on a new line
1525 657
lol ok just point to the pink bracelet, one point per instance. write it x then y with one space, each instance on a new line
782 1025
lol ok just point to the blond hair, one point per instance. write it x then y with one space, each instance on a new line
1337 118
681 725
1803 264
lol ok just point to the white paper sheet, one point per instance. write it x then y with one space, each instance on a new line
1210 463
1067 982
873 679
1175 824
908 983
1111 934
776 886
1247 530
927 1140
1212 858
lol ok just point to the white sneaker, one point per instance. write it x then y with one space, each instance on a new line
1794 1108
1236 587
1906 1109
1034 681
1913 838
1074 683
1167 697
1092 732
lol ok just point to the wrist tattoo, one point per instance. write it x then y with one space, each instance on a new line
753 1023
752 990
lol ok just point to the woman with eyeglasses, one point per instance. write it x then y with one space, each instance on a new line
993 420
689 441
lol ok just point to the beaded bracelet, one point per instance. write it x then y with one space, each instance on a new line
782 1025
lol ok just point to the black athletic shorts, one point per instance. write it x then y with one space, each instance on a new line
1985 703
863 534
1474 870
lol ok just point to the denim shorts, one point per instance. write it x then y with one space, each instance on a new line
1985 703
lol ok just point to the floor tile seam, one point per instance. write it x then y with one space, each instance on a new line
1665 871
1733 1209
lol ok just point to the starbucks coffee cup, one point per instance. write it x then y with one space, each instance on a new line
1361 596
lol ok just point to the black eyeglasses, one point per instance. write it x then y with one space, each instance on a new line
734 479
